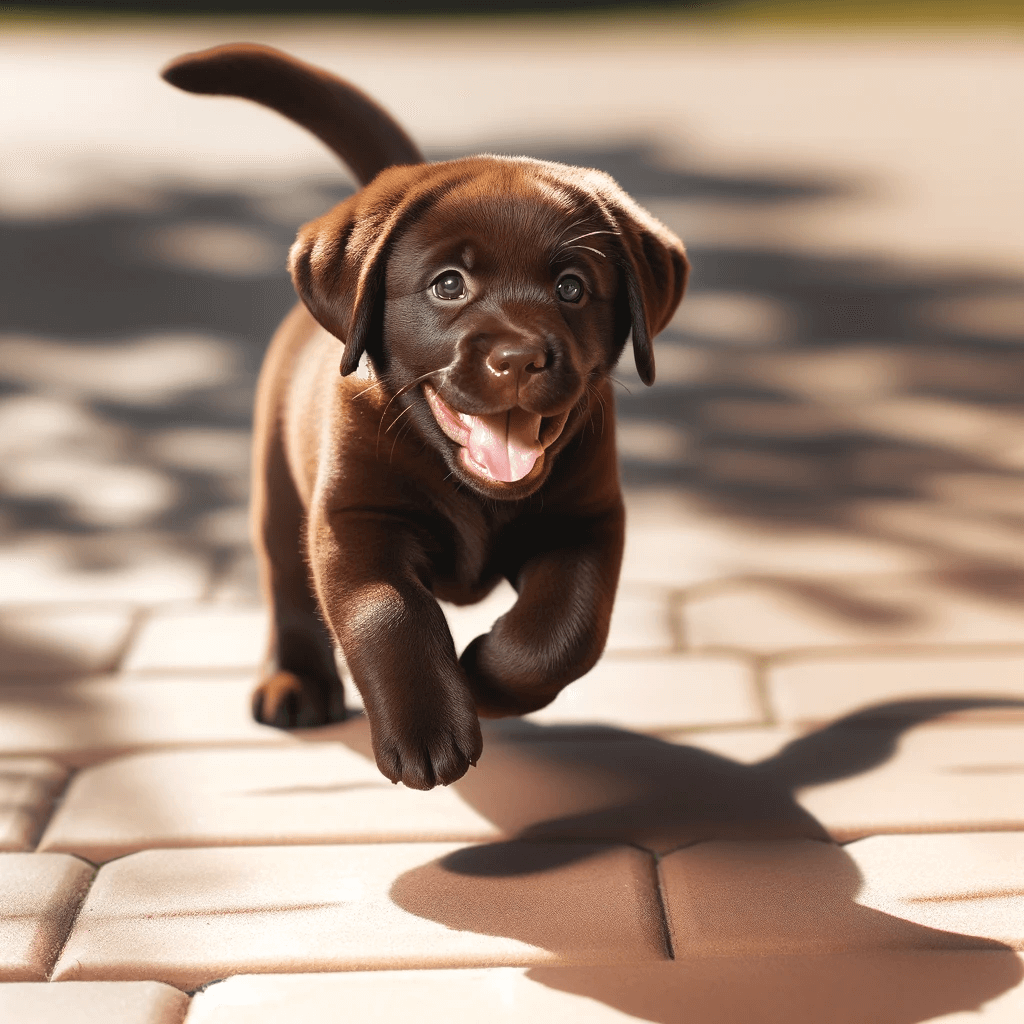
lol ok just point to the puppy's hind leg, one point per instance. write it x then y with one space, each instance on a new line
300 684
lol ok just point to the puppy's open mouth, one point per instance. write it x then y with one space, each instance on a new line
502 446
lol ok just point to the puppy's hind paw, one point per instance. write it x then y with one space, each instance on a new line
288 702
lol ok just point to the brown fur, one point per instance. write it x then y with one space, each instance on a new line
364 510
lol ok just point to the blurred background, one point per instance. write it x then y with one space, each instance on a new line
845 375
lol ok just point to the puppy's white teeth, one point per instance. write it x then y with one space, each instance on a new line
467 420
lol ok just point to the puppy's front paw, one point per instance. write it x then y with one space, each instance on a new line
428 754
288 702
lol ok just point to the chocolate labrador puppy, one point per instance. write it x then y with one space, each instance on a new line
485 302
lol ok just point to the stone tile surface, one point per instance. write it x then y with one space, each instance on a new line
787 614
888 988
49 641
93 1002
782 896
641 618
970 883
860 780
28 786
187 917
39 896
658 692
815 689
295 794
78 723
200 637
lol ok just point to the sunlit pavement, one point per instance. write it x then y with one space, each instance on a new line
792 791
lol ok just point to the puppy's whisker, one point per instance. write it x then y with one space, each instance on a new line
397 418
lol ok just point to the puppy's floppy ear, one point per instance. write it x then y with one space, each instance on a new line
654 266
337 262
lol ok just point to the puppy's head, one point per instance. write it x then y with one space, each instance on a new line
492 294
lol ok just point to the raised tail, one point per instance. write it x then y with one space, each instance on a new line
359 131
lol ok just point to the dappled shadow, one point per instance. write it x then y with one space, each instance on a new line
863 398
795 898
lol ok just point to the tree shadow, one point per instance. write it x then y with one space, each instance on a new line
794 889
793 388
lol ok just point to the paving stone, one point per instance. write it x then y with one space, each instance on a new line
863 780
302 793
816 689
884 988
187 917
641 619
971 883
123 568
781 896
61 641
787 614
670 543
200 637
28 786
540 782
39 895
93 1002
659 692
81 722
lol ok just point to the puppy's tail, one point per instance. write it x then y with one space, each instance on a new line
360 132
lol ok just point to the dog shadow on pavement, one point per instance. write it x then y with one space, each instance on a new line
568 794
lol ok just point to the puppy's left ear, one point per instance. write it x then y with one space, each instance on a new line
655 269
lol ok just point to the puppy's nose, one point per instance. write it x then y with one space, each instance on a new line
513 360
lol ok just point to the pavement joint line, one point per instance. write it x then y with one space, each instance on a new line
979 649
762 690
77 913
139 619
659 891
55 803
677 601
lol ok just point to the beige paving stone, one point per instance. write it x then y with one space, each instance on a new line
659 692
640 619
953 778
81 722
971 883
186 917
119 569
39 895
540 782
301 793
782 896
671 543
815 689
200 637
93 1002
786 614
886 988
28 786
61 641
858 781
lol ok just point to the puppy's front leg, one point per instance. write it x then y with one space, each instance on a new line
369 570
557 629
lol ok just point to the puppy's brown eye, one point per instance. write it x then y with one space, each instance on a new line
449 286
569 289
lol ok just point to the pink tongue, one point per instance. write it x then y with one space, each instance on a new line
506 444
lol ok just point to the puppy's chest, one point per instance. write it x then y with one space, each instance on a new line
471 555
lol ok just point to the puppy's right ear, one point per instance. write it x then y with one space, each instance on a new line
338 260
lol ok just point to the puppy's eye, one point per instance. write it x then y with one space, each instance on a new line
569 289
449 286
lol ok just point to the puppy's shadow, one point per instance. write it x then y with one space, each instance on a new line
566 793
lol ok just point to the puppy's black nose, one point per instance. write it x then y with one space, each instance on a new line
513 360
